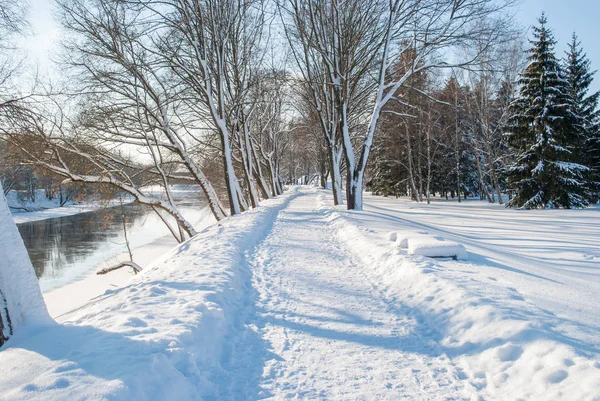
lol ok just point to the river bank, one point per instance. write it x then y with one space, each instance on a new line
81 290
78 293
43 208
21 217
68 245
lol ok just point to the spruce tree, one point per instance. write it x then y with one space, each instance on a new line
545 171
585 111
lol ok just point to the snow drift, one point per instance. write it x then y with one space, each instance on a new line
431 246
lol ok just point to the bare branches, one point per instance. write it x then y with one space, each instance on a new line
349 52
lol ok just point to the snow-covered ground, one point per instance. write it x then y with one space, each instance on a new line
55 212
298 300
549 257
85 288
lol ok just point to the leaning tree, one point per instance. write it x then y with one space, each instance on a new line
347 50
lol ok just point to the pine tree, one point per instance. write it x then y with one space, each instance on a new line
546 172
585 111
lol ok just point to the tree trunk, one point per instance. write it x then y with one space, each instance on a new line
458 175
411 174
230 178
20 296
429 159
494 179
336 176
248 166
262 183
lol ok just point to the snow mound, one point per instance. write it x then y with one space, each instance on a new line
402 239
434 247
392 236
19 294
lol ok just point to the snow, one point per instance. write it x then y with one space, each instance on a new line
21 204
550 257
298 299
52 213
149 239
435 248
162 336
43 208
503 342
403 237
78 293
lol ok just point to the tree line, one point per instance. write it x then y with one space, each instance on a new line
515 126
240 97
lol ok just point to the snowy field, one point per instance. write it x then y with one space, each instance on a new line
298 300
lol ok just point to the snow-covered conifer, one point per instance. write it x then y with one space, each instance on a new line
546 172
585 110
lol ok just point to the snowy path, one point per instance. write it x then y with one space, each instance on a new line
332 333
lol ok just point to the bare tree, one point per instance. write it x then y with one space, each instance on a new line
131 98
493 86
58 146
214 50
356 43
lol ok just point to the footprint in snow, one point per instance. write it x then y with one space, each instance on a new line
557 377
509 353
60 383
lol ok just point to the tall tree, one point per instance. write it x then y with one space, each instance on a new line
585 110
545 172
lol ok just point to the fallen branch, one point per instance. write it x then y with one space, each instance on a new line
136 268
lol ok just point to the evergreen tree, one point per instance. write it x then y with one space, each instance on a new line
546 172
585 110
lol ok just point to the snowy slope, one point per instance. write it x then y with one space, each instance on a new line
160 338
298 300
549 257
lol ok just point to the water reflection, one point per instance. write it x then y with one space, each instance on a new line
66 248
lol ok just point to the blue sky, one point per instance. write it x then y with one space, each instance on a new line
564 17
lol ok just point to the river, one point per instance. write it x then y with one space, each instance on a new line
68 248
